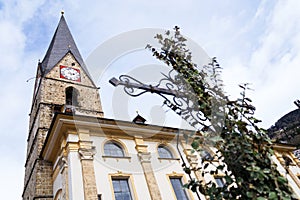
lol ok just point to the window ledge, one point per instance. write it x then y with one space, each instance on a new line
169 159
210 161
117 158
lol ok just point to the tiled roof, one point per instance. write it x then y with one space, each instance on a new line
62 42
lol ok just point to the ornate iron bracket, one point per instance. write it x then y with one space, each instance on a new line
175 91
130 84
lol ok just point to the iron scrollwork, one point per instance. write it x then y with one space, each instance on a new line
175 91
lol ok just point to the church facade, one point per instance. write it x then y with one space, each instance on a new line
75 153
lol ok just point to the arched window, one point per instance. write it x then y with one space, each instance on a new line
164 152
113 149
205 155
71 96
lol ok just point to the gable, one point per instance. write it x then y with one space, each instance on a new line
69 61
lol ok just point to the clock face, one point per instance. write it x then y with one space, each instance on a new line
70 73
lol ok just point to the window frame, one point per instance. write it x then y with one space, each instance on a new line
130 182
169 154
109 142
208 154
121 190
221 178
168 149
183 181
118 143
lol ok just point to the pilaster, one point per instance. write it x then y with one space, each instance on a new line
63 169
145 160
192 160
86 153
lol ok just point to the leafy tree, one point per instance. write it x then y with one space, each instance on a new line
243 147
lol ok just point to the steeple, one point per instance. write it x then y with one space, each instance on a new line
61 43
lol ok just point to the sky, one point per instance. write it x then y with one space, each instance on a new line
255 42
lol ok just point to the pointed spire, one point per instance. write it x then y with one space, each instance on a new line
62 43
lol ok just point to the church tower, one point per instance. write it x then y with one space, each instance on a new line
62 84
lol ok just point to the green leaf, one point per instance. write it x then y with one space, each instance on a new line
221 167
281 179
195 144
272 195
249 194
216 139
206 165
187 170
194 187
244 147
261 198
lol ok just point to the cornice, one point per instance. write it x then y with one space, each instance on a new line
62 124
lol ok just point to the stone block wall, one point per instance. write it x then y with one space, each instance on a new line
88 97
33 159
40 182
44 179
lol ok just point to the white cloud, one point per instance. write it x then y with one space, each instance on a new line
11 45
272 61
275 62
16 67
11 180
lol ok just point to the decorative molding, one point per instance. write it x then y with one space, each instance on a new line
117 158
140 146
87 154
145 157
62 163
